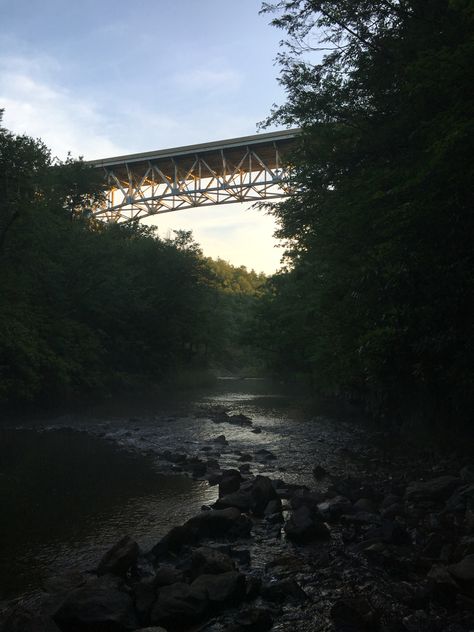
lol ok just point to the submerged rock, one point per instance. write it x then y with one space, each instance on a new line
119 558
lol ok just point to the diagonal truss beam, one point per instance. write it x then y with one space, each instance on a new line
248 169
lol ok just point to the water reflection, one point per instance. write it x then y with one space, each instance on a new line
67 496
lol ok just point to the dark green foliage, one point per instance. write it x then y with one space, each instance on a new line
87 307
378 302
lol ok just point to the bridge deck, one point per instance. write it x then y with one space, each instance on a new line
237 169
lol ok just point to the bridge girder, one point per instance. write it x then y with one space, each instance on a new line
248 169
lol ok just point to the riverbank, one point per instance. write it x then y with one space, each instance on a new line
322 529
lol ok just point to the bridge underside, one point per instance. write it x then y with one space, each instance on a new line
247 169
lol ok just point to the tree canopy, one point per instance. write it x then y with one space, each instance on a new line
88 307
377 299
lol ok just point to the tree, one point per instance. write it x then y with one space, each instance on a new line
380 233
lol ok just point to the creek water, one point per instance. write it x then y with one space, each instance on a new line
71 486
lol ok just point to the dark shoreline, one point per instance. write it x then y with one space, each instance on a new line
391 562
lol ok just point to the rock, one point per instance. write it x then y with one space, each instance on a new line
245 457
208 561
240 499
221 440
392 511
99 603
352 615
119 558
262 492
253 620
223 589
435 489
229 523
229 482
279 591
365 504
443 587
256 430
153 628
199 470
304 526
463 570
144 594
263 453
335 507
179 605
319 472
174 457
389 500
253 496
166 575
273 507
25 621
303 497
240 420
467 474
394 533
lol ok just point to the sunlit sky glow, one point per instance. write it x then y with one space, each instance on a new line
109 77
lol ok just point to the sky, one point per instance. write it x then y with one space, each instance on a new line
101 78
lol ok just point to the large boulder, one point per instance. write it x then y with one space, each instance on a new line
305 526
179 605
119 558
262 492
99 603
229 482
335 507
434 490
208 561
241 499
283 589
224 589
463 570
220 523
253 496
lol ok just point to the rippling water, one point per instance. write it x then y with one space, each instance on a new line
72 486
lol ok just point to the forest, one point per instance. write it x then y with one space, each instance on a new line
373 303
87 308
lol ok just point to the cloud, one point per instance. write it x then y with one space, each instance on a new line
35 105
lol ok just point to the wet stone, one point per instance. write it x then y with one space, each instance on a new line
304 527
119 558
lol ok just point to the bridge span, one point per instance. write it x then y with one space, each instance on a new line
246 169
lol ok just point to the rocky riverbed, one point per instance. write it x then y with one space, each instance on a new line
309 529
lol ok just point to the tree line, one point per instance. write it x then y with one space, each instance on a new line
374 300
88 307
375 303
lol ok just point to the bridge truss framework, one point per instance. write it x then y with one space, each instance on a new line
247 169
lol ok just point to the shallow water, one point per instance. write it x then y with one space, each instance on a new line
73 485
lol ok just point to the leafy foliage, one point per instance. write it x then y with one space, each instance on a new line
87 307
379 238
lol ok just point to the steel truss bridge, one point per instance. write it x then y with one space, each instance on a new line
247 169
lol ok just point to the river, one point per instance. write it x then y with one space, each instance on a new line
71 486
